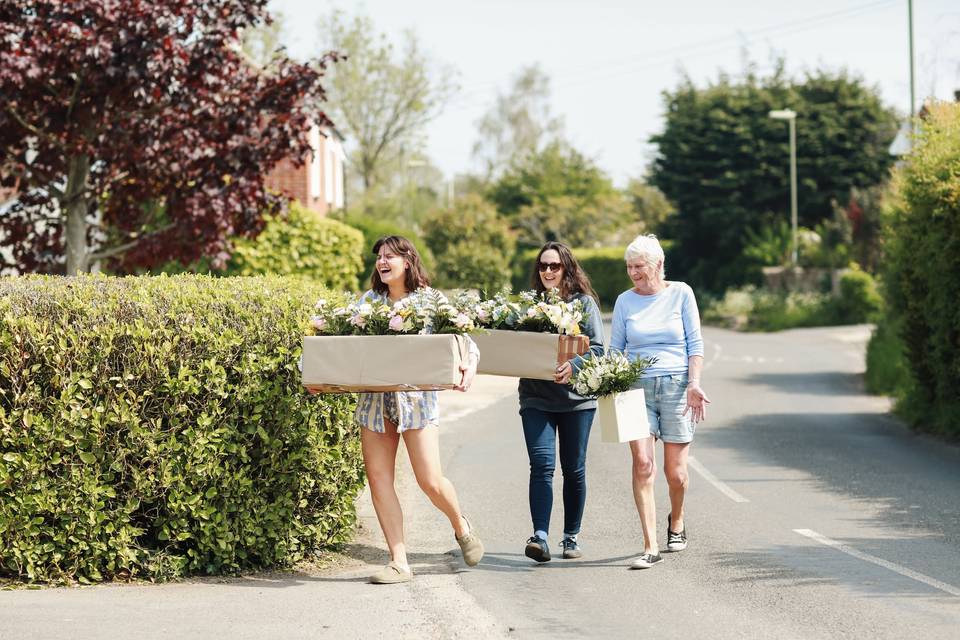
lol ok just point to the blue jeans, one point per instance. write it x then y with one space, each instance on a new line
541 430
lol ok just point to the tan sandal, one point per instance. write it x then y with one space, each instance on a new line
391 574
470 545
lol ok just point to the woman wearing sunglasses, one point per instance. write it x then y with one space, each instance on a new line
551 411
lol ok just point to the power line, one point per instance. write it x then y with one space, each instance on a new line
628 67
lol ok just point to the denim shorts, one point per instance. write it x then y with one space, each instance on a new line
666 398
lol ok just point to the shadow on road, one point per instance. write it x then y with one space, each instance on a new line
864 456
831 383
792 566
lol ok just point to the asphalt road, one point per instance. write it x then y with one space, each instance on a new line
811 514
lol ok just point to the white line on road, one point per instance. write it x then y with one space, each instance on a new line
716 482
886 564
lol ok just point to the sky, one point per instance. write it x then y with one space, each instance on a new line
609 61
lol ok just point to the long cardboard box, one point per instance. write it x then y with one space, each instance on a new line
525 354
346 364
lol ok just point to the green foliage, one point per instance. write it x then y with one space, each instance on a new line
922 269
156 427
651 209
385 95
888 371
302 243
724 163
559 194
472 244
859 299
755 309
373 227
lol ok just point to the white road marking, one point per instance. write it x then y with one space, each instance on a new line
886 564
716 482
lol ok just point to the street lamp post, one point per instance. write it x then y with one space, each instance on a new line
791 117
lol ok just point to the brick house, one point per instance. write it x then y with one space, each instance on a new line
318 184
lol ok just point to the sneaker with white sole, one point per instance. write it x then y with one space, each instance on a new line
571 550
676 541
646 561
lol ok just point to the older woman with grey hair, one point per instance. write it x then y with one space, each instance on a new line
659 319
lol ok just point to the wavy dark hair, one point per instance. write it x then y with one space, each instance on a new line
575 279
416 275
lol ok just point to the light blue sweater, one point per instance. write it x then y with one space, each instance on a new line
664 325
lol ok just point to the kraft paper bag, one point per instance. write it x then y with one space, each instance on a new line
623 416
344 364
525 354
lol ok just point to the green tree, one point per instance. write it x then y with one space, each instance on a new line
651 208
472 245
382 98
724 163
560 194
519 123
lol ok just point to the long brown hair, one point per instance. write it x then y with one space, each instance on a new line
415 277
575 280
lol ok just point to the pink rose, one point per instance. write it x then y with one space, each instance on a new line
396 323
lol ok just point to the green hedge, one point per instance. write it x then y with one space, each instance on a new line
922 270
302 243
156 427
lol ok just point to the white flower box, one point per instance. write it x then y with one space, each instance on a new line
526 354
345 364
623 416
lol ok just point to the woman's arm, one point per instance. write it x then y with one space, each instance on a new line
697 399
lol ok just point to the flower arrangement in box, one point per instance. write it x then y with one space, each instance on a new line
608 374
425 311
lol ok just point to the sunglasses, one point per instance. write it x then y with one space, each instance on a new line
549 266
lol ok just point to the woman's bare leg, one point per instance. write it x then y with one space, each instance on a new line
380 459
423 447
644 474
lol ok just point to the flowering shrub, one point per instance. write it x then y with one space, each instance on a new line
608 374
423 311
527 311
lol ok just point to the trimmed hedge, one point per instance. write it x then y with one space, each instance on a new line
302 243
922 270
156 427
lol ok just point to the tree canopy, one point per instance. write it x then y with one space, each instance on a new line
139 132
724 163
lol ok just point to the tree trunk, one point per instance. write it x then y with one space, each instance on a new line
75 203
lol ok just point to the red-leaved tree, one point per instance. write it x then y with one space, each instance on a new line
138 131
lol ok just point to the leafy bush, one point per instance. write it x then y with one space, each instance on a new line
156 427
887 368
764 310
302 243
472 245
922 269
859 299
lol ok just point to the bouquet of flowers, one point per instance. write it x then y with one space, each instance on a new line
608 374
528 311
425 311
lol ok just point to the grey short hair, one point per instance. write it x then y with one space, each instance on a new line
647 249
